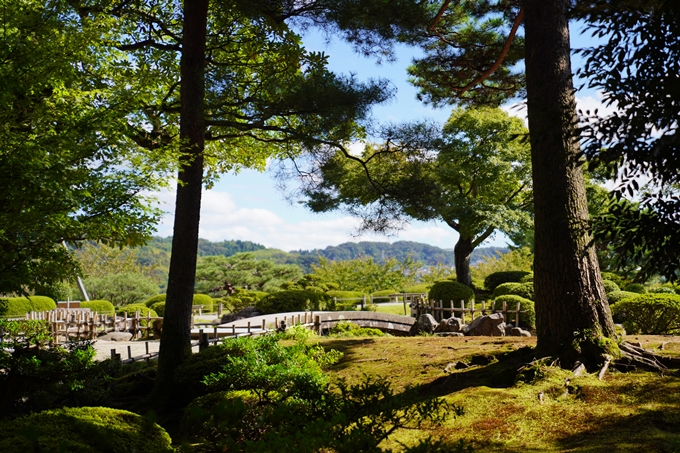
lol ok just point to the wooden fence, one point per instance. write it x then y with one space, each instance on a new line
439 310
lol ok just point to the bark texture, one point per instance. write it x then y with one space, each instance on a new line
570 298
176 340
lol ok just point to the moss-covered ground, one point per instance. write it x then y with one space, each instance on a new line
536 411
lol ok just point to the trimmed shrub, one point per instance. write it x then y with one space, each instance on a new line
134 308
614 278
650 314
384 292
638 288
83 430
497 278
527 319
19 306
349 329
527 278
291 300
190 374
345 294
159 307
616 296
610 286
451 291
152 300
424 288
662 290
103 307
525 290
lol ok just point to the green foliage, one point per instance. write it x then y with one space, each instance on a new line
83 430
154 299
134 308
521 259
525 290
638 288
610 286
366 275
219 274
616 296
158 307
620 281
415 289
349 329
272 371
205 300
103 307
528 278
527 319
345 294
121 289
297 332
662 290
19 306
451 291
191 373
292 300
650 314
497 278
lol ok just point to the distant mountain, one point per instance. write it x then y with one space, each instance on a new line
157 252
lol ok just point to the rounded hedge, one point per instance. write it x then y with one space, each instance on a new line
527 319
616 296
650 314
525 290
610 286
134 308
529 278
291 300
384 292
423 289
638 288
19 306
613 277
199 299
103 307
451 291
498 278
83 430
662 290
159 307
155 299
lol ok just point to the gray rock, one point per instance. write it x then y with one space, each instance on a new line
450 325
456 366
488 325
427 324
116 336
518 332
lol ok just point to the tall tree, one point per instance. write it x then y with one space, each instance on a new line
473 175
64 174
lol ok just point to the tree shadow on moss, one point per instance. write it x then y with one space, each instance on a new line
348 348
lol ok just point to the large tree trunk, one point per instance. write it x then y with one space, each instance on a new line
461 257
176 340
570 298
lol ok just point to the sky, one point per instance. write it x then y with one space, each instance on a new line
249 207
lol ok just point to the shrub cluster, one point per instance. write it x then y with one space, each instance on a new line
635 288
159 307
134 308
423 288
497 278
526 319
291 300
199 299
103 307
83 430
19 306
525 290
610 286
350 329
620 281
451 291
651 314
616 296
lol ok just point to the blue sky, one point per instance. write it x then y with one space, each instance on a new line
247 206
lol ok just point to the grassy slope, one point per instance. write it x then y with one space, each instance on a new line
636 412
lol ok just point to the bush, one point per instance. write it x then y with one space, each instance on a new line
159 307
638 288
527 319
134 308
83 430
662 290
349 329
610 286
424 289
103 307
291 300
384 292
525 290
497 278
345 294
155 299
617 296
19 306
527 278
189 375
650 314
451 291
614 278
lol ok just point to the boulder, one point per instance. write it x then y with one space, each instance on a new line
450 325
426 324
489 325
116 336
518 332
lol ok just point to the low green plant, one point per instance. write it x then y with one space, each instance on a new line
415 289
158 307
525 290
610 286
291 300
134 308
497 278
83 430
650 314
103 307
349 329
616 296
19 306
662 290
635 288
155 299
447 291
620 281
297 332
526 319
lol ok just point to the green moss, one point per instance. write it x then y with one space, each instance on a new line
83 430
